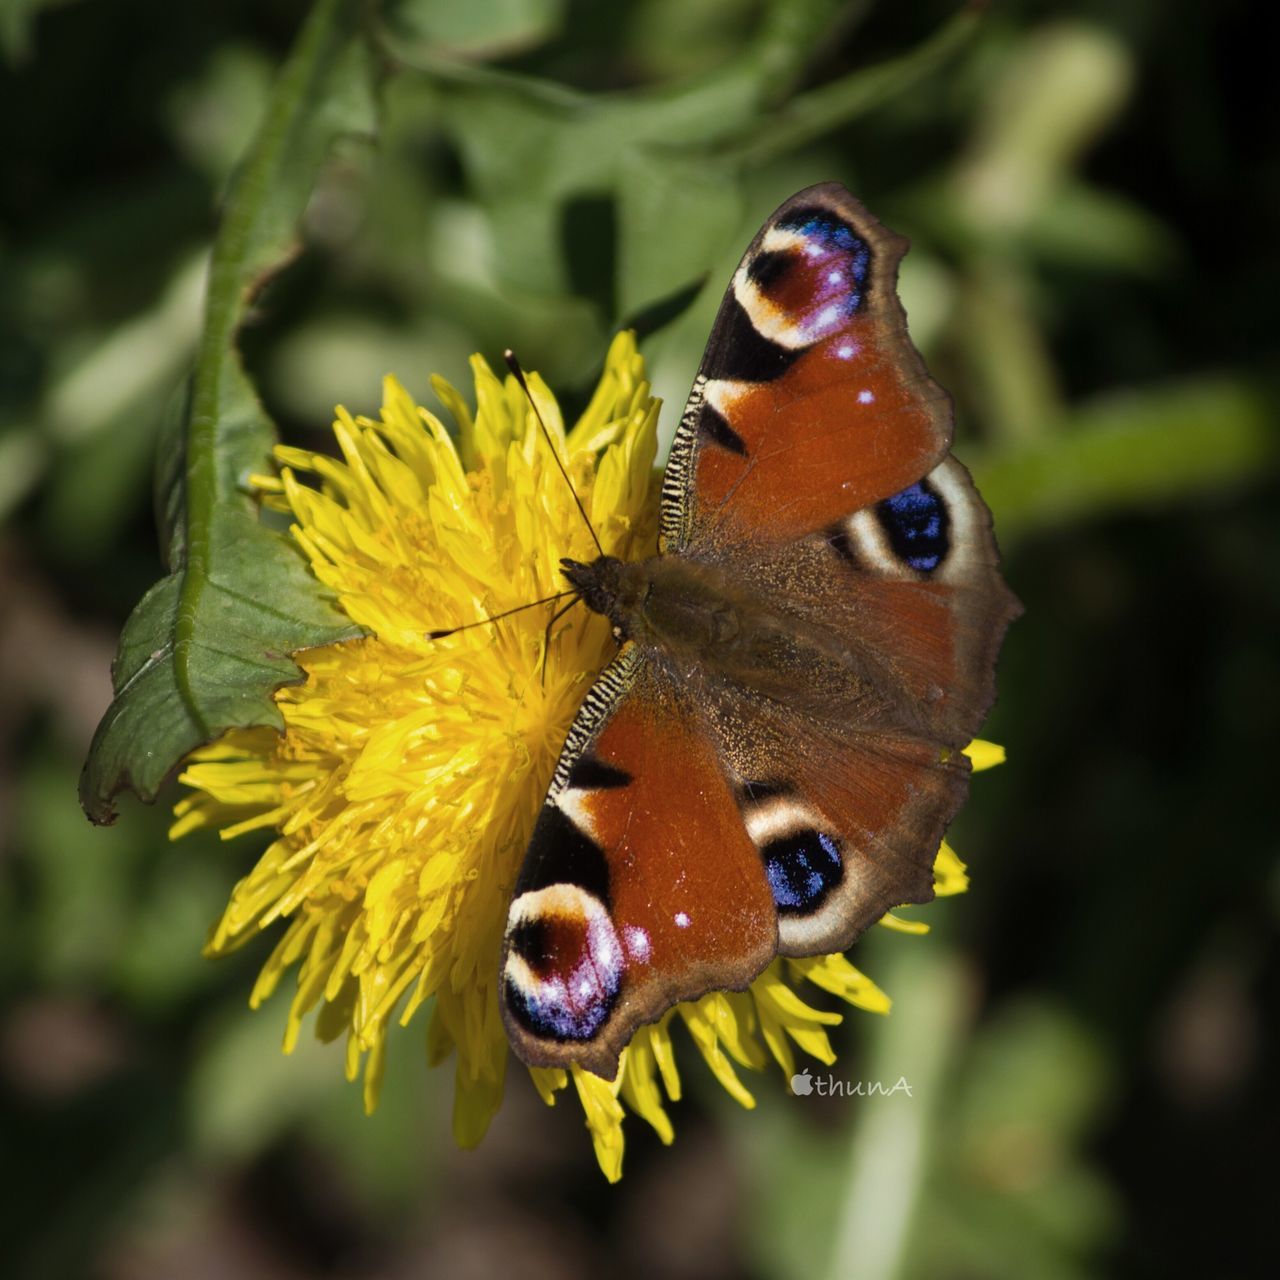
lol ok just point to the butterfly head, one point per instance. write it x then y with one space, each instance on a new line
609 586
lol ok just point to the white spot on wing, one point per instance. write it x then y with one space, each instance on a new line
564 899
572 803
776 240
636 941
826 319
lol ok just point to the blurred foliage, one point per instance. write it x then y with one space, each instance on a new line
209 644
1091 196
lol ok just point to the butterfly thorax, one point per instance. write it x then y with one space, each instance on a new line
661 603
698 620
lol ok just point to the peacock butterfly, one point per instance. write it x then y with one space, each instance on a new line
768 764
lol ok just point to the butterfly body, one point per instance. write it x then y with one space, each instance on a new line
688 615
704 627
770 761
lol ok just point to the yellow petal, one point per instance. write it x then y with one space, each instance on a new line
984 755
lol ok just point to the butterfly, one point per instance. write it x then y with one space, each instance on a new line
769 762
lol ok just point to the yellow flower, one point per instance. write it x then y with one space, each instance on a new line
404 789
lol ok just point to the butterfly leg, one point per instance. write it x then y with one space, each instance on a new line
546 638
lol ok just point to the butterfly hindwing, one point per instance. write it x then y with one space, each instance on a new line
846 820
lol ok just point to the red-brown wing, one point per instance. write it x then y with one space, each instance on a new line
641 886
810 402
843 725
918 583
846 812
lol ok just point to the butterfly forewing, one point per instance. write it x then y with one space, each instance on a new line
811 401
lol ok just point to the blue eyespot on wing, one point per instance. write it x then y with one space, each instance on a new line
917 526
802 870
563 968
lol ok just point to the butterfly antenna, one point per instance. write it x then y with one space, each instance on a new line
514 365
506 613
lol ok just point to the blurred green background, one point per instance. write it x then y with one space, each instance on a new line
1093 196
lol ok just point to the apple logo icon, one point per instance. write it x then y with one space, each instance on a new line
802 1084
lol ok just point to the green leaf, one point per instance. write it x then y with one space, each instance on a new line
812 114
208 645
17 18
1056 94
1133 449
1088 229
530 147
659 191
476 28
673 160
243 1093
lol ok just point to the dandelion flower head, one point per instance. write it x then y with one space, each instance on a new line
404 788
